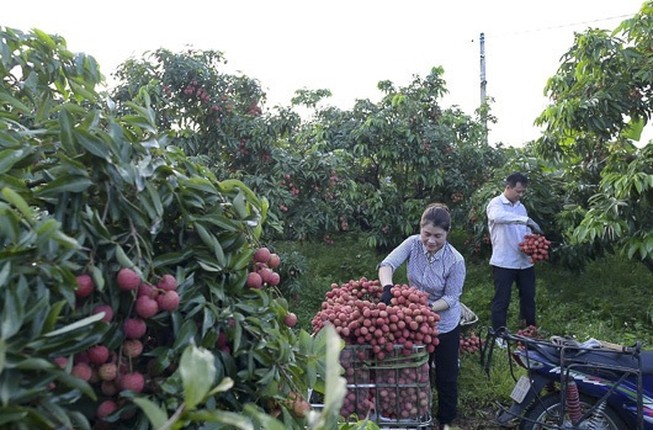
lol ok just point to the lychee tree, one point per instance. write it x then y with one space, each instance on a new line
220 117
118 252
600 100
402 152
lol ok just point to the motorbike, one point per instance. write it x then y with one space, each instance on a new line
561 383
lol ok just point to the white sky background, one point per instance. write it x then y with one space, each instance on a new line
346 46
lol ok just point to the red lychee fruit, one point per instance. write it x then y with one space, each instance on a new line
222 340
290 319
132 348
106 408
148 290
108 371
108 312
266 274
98 354
128 279
274 261
82 371
168 301
81 357
109 388
254 280
62 362
146 307
274 279
132 381
300 408
167 283
262 255
134 328
85 286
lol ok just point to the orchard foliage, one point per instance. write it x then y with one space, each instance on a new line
600 101
404 151
96 205
370 169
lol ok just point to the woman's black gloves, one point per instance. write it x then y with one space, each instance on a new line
387 295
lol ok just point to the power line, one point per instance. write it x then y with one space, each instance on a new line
562 26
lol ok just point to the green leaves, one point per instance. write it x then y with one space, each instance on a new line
15 199
634 129
212 242
197 371
10 157
75 326
65 183
197 375
13 309
157 416
336 385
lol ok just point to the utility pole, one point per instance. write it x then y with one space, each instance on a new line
483 108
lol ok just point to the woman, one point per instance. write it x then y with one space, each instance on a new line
437 268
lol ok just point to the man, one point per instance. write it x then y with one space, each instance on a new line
508 222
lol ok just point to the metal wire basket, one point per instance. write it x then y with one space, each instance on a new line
381 390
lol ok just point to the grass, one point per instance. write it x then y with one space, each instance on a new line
610 300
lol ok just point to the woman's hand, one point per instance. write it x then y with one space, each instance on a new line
386 297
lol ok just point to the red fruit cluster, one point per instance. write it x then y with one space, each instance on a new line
254 109
404 392
288 183
355 311
150 299
344 224
193 89
470 343
264 262
400 391
536 246
109 371
125 368
530 331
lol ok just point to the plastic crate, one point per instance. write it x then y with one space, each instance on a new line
394 392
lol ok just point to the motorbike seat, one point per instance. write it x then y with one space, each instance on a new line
613 358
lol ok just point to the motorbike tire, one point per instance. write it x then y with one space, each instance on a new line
546 410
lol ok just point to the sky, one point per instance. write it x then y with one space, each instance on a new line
346 46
